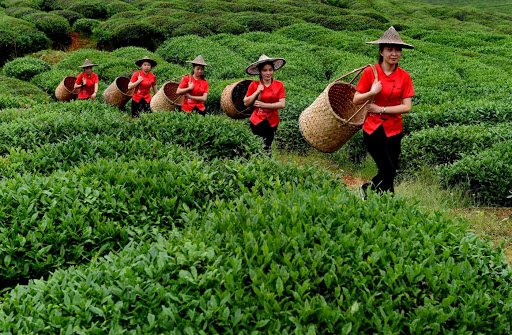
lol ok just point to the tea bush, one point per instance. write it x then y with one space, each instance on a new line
19 88
444 145
85 26
94 9
118 33
20 12
25 68
49 80
486 174
19 37
54 26
256 262
69 15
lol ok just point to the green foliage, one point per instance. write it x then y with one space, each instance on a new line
54 26
25 68
69 15
20 12
85 26
18 37
289 138
19 88
486 174
94 9
37 4
444 145
118 33
48 81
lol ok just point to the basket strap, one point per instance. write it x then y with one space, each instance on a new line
362 107
356 71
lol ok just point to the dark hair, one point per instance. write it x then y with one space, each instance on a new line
193 66
382 46
260 66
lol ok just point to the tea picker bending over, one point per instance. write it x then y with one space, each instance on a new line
267 96
392 94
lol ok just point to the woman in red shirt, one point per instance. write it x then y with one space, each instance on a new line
390 96
194 87
142 80
266 96
87 82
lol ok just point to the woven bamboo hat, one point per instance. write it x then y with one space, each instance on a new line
277 62
391 36
199 60
87 63
145 59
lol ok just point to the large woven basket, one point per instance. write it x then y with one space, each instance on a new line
65 91
332 119
166 98
117 93
232 100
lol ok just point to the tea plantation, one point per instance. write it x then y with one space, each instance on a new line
179 224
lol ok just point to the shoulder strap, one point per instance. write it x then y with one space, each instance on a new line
374 69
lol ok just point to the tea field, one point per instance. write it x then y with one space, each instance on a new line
179 224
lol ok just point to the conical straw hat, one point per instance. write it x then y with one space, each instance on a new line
199 60
391 36
145 59
253 68
87 63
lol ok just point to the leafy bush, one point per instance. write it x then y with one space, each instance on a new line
25 68
20 88
93 9
19 37
256 262
48 81
444 145
118 33
37 4
20 12
486 174
54 26
85 26
10 101
289 138
115 7
69 15
191 28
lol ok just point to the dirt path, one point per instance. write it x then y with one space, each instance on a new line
79 42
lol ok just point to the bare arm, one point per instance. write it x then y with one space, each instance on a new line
155 90
249 100
404 107
201 98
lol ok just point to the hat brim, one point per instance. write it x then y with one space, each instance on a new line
403 45
253 68
196 63
142 61
88 65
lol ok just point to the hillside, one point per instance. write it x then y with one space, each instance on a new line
177 223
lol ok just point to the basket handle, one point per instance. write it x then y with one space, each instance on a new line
376 76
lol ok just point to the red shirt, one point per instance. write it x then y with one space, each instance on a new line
142 90
87 90
200 87
270 94
395 87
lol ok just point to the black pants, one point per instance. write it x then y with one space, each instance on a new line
141 106
385 151
197 110
265 131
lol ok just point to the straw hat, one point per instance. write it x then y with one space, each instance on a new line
253 68
199 60
391 37
145 59
87 63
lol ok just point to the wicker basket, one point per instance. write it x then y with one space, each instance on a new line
332 119
65 91
117 93
166 98
232 100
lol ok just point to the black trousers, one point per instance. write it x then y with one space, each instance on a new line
385 151
139 107
197 110
265 131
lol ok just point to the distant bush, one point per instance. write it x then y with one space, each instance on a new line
38 4
114 34
11 101
25 68
191 28
20 12
255 21
69 15
54 26
49 80
115 7
94 9
486 174
346 22
85 26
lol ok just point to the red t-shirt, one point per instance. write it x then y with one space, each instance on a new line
142 90
270 94
87 90
395 87
200 87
